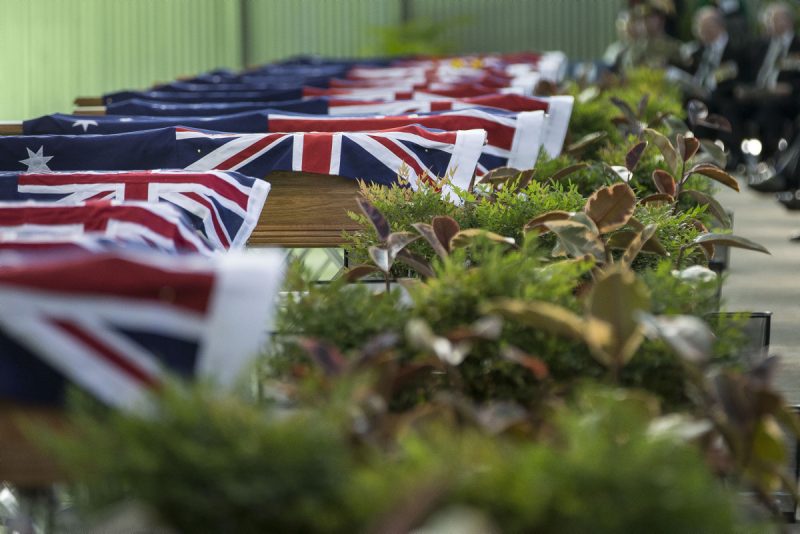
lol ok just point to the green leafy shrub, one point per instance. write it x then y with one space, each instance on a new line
205 463
596 113
508 213
608 475
343 315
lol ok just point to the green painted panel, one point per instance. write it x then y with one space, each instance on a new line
54 50
277 29
581 28
280 28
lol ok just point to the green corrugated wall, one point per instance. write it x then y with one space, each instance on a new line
54 50
279 28
581 28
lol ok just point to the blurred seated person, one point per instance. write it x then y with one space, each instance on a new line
658 49
713 69
735 14
775 79
642 41
630 30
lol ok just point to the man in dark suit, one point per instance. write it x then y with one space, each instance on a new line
776 79
715 66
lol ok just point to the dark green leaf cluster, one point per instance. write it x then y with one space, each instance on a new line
206 463
210 464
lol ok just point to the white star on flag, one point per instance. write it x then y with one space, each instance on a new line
84 123
36 161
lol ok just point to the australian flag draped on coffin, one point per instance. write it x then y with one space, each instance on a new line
373 156
36 225
117 324
256 121
156 108
223 206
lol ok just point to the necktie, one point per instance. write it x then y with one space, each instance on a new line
768 73
704 75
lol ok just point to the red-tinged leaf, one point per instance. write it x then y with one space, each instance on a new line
671 156
375 217
714 207
359 271
715 173
634 155
416 262
716 122
427 232
537 223
611 207
656 198
327 357
585 142
687 147
730 240
664 181
445 228
566 171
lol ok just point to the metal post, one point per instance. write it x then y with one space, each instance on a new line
244 34
406 13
